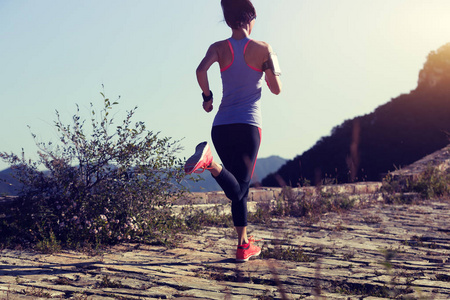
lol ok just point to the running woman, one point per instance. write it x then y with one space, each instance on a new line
236 131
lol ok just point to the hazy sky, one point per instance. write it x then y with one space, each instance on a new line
340 59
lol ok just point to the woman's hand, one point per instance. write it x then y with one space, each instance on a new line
208 105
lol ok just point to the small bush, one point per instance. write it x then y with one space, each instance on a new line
196 219
48 245
262 215
431 183
302 205
111 183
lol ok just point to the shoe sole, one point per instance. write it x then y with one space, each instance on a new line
193 161
246 259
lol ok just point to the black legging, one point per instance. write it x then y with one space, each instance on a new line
237 146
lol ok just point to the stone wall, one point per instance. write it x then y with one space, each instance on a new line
361 191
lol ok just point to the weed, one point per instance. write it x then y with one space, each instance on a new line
262 215
195 220
36 292
349 255
226 275
443 277
289 253
389 255
108 283
218 274
8 292
366 289
80 297
266 295
394 288
371 219
424 242
62 281
48 244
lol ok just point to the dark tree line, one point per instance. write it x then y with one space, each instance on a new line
396 134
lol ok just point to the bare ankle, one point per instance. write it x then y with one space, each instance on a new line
215 168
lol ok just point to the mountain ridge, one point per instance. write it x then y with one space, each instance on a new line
264 166
396 134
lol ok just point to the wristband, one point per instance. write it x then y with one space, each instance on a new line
207 98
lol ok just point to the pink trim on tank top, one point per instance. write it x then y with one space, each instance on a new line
232 60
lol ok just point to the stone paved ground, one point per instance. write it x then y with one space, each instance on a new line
376 252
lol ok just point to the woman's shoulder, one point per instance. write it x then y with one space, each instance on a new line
219 44
260 43
260 46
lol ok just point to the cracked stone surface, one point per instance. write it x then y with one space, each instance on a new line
373 252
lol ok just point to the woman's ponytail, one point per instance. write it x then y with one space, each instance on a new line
238 13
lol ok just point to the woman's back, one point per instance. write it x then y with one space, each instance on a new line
256 53
242 85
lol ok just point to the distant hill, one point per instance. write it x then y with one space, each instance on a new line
396 134
8 185
263 167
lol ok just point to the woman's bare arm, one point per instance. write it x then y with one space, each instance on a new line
273 81
202 74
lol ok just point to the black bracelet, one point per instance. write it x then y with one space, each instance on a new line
207 98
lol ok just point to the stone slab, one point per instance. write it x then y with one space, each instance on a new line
350 251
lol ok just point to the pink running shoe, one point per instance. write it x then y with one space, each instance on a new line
200 161
244 252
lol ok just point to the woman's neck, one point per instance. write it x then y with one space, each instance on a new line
240 33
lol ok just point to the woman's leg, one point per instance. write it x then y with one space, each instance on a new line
242 234
237 146
215 169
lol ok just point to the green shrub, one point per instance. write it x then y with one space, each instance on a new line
197 219
432 183
302 205
111 183
429 184
48 245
